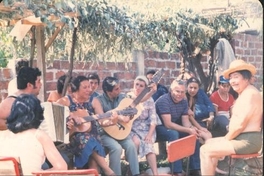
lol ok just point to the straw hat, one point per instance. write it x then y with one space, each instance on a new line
238 65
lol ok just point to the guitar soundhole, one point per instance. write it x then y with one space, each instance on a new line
121 127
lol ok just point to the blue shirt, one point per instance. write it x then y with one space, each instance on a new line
161 90
203 106
165 105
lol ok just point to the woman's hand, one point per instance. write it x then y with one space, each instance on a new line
148 139
153 87
78 124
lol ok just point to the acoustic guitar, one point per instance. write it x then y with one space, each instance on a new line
121 130
128 111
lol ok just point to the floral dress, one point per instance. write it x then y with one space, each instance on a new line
83 144
141 126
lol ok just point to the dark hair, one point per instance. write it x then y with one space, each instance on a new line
26 113
21 63
60 83
27 75
76 82
245 74
94 76
151 72
109 83
193 79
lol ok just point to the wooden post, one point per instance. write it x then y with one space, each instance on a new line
40 43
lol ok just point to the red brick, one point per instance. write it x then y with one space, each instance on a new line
7 73
259 45
51 86
4 85
171 64
161 64
49 76
164 56
260 52
157 55
57 64
247 52
259 59
251 59
65 65
150 63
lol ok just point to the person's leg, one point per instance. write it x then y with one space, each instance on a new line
92 164
164 134
102 163
115 151
131 154
152 161
211 151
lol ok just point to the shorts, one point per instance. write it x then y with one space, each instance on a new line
247 143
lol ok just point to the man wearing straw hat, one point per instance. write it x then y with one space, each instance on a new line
244 136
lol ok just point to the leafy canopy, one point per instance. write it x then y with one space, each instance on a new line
107 31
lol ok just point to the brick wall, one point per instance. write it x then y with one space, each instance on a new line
247 47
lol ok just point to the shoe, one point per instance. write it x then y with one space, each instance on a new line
196 172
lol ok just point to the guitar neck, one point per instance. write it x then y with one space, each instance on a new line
140 96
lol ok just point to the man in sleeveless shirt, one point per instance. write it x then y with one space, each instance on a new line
28 82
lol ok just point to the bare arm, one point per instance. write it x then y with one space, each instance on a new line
5 109
98 109
170 125
63 101
51 152
195 123
216 109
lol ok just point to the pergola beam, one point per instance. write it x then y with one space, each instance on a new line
53 37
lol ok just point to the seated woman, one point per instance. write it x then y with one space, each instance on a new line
84 139
57 94
143 131
25 140
200 106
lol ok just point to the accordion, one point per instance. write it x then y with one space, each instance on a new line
54 123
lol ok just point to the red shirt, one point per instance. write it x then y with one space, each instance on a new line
220 103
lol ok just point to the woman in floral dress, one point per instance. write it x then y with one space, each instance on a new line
84 139
143 130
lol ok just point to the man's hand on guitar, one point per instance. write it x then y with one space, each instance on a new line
124 119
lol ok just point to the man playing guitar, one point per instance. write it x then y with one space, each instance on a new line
109 100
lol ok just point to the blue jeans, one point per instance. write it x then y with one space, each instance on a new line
115 150
165 134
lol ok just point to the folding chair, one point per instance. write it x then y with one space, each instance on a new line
10 166
246 156
67 172
181 148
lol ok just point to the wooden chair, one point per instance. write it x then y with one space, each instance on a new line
180 149
10 166
253 156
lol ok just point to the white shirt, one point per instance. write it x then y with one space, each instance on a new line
12 87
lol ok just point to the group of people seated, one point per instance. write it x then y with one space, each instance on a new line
162 114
